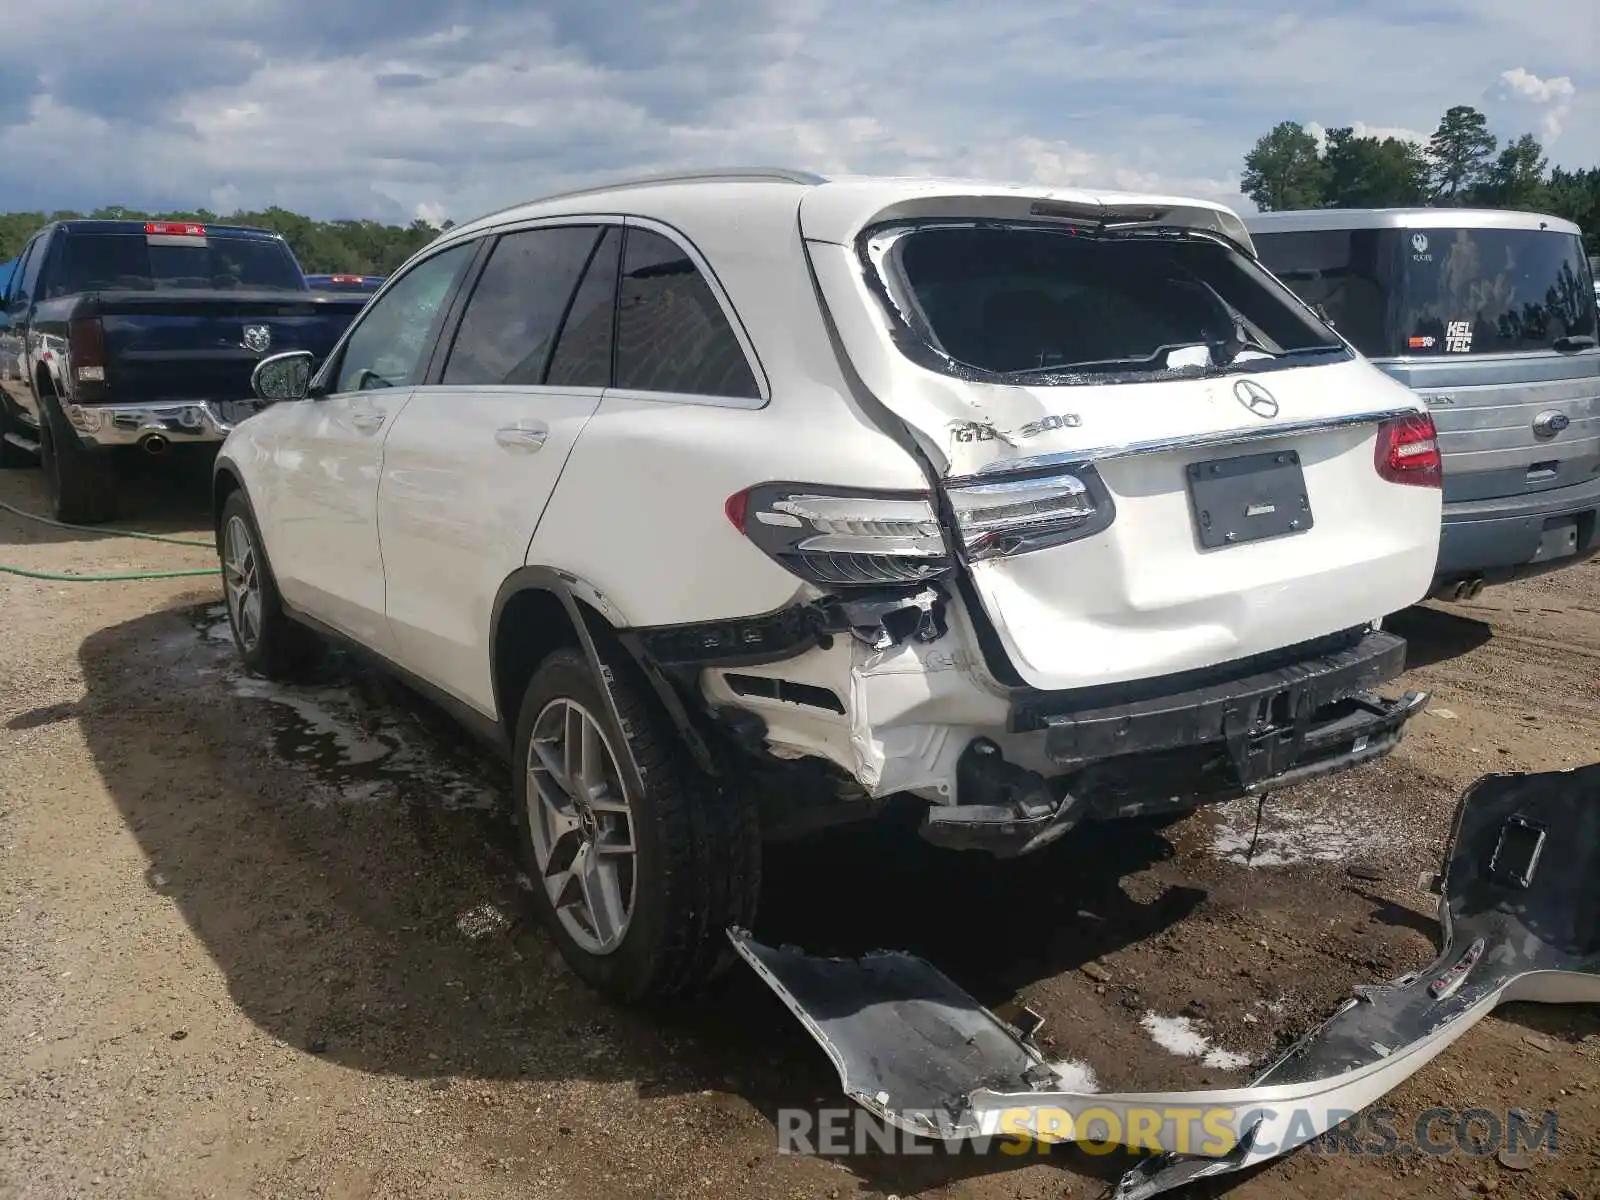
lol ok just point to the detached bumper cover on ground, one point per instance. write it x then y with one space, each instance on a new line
1521 921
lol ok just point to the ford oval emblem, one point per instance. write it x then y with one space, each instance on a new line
1548 424
1256 398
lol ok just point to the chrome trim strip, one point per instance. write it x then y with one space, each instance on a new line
1199 441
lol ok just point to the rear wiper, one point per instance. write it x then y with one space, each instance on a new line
1574 341
1234 364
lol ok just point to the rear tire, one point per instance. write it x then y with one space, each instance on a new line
695 862
270 642
81 482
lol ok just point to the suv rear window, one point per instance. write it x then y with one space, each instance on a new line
1094 309
106 262
1489 291
1429 292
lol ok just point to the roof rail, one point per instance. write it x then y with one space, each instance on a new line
704 175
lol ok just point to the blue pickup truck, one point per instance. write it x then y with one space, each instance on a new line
121 337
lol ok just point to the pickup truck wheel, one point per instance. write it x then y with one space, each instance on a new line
270 643
639 862
81 483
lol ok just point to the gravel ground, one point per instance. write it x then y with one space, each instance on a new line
268 942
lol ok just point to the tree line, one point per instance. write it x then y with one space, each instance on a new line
323 247
1462 163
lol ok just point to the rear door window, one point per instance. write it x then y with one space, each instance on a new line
1068 307
672 335
104 262
516 307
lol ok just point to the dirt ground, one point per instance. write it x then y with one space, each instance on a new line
268 942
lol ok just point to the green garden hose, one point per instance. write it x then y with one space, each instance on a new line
57 577
107 530
53 576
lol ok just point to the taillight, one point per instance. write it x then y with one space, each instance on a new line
1014 516
86 348
839 538
174 229
1408 451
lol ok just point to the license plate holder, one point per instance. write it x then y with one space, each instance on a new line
1248 498
1558 539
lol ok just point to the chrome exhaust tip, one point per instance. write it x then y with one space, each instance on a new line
155 445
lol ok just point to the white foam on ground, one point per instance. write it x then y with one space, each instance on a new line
1075 1077
1309 825
1181 1036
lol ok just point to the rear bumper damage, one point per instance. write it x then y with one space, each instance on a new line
1518 916
1271 728
901 705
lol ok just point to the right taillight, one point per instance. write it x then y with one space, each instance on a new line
1408 451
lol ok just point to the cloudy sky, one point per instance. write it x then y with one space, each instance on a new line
400 108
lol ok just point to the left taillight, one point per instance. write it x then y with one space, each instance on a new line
1007 516
839 538
86 347
1408 451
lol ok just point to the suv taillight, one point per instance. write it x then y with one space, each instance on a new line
86 347
1016 514
839 538
1408 451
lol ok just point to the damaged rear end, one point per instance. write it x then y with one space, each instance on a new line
1167 509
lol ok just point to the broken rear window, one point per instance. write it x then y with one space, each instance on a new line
1073 307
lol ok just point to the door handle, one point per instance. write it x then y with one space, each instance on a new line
526 438
367 422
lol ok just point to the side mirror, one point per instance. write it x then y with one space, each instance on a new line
285 376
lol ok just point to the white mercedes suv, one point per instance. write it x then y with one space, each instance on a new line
735 504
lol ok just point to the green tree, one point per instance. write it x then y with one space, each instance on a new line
1517 178
1459 152
1575 195
1283 171
1365 172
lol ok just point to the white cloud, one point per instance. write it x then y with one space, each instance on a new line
450 109
1552 98
1540 91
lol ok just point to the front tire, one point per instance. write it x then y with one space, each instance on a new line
270 643
639 861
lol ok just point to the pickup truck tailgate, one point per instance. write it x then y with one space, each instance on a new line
203 345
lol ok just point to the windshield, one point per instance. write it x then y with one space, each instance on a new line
1071 307
1439 292
93 262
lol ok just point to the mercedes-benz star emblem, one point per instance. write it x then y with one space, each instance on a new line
1256 398
257 338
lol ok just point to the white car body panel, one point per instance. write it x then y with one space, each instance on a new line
467 473
312 469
